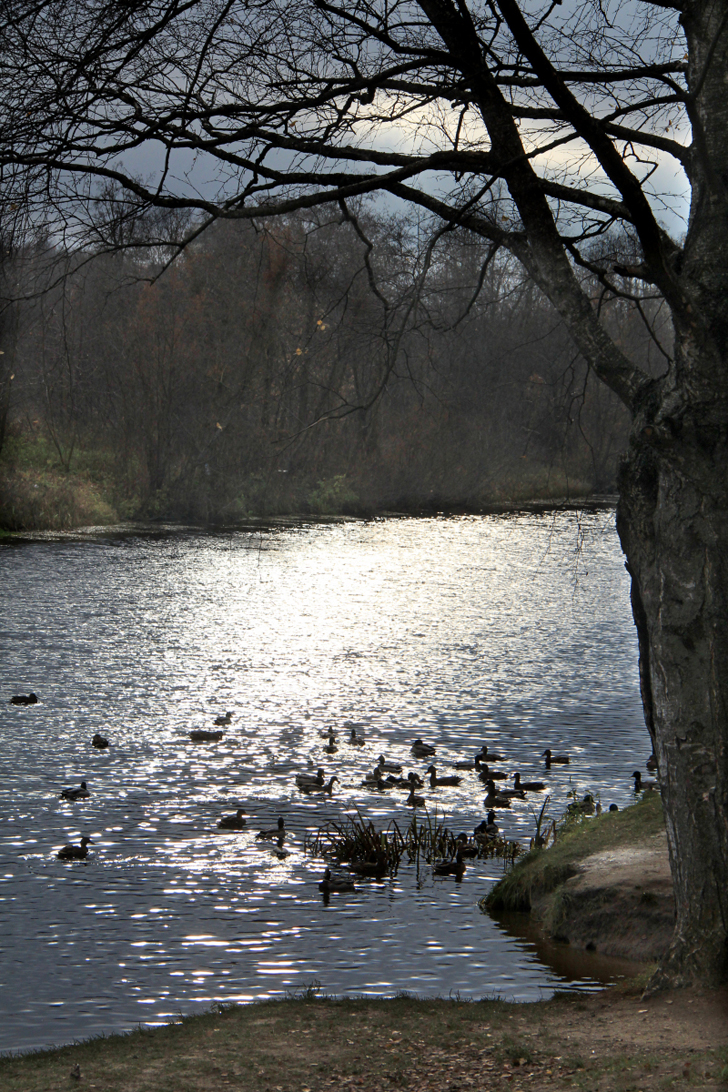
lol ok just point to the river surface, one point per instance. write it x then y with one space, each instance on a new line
510 630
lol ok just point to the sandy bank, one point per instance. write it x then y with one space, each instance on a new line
605 885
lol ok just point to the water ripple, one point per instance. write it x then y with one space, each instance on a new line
513 631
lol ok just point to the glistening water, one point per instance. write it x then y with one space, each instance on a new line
511 630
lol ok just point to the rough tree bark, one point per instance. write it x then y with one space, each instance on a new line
286 98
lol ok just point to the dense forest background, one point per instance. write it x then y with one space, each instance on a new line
319 364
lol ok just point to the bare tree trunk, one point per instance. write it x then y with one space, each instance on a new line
673 524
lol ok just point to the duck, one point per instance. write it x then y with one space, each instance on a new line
487 757
75 794
303 779
328 788
331 747
527 786
488 828
582 807
375 865
223 719
413 800
485 773
72 852
99 741
422 750
436 781
24 699
354 740
519 794
202 735
555 760
454 867
272 832
643 786
466 848
651 763
278 851
495 799
376 783
388 767
233 822
331 884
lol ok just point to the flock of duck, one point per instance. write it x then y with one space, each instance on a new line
385 777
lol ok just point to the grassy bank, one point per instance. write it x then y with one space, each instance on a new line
542 871
608 1041
47 487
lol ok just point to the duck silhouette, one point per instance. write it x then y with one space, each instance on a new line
436 781
527 786
272 832
326 789
99 741
72 852
233 822
555 760
332 884
24 699
75 794
454 867
422 750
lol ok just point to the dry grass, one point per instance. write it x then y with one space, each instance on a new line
611 1041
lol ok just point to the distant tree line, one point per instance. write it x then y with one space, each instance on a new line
324 363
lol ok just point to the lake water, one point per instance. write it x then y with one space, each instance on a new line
511 630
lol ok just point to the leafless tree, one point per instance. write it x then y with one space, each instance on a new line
537 127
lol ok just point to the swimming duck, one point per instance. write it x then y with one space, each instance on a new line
454 867
310 779
413 800
527 786
331 884
278 851
436 781
233 822
272 832
485 773
422 750
328 788
486 756
99 741
375 782
466 849
643 786
223 719
201 735
331 747
375 865
24 699
75 794
488 828
583 807
651 763
555 760
72 852
388 767
495 799
354 740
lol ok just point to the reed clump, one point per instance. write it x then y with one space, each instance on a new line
357 841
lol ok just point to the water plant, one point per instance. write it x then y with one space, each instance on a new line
358 842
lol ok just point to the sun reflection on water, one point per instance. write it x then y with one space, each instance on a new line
460 631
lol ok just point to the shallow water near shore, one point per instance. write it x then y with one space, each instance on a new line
511 630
